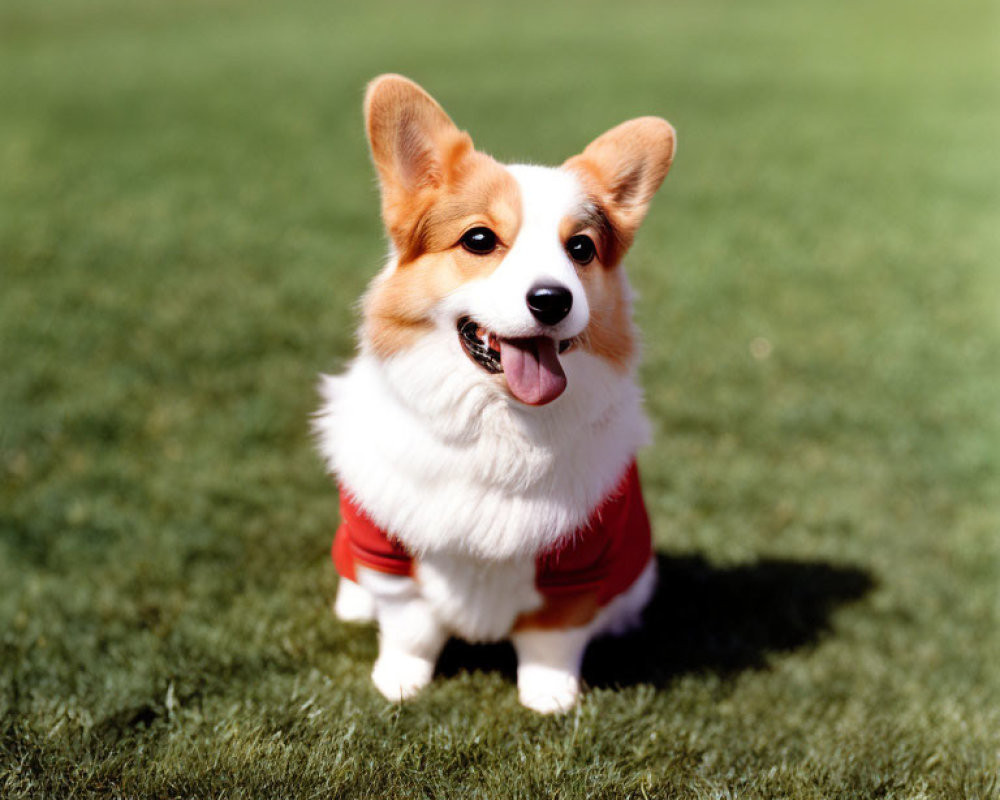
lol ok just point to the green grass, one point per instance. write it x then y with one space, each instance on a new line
187 216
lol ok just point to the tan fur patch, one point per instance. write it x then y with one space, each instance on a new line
620 171
435 187
610 334
432 262
569 611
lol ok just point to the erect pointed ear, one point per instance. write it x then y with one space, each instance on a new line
624 167
415 145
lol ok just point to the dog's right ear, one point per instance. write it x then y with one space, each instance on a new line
415 146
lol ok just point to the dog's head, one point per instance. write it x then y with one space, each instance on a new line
516 267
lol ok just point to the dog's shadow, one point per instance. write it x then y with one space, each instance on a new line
703 618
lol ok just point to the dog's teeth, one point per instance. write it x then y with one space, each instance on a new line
481 345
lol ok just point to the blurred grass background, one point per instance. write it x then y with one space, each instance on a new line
187 216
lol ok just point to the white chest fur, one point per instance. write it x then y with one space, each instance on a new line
457 468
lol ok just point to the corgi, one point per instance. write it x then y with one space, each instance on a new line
484 437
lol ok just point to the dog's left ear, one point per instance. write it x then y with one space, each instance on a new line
624 167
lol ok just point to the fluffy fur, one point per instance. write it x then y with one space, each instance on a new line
434 448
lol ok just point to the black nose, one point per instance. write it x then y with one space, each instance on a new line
549 304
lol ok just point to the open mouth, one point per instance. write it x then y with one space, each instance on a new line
530 365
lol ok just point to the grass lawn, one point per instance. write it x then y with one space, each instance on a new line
187 216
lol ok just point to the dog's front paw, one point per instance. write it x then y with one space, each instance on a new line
547 690
399 676
354 603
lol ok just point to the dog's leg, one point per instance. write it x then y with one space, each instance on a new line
354 603
548 667
410 636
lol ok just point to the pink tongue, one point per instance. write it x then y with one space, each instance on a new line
531 366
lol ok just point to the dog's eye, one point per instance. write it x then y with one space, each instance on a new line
581 249
479 241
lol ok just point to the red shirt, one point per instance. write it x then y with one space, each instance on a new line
605 556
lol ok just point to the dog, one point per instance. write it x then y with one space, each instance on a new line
484 438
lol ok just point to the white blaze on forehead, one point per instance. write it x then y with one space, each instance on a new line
548 195
537 257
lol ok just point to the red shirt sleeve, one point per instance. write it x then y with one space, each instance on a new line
360 541
608 554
